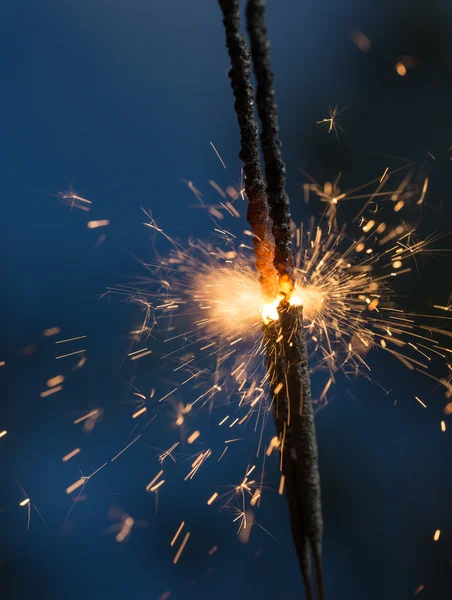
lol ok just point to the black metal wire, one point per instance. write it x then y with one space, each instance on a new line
285 340
258 212
275 170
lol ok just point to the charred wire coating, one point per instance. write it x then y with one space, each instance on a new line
275 170
258 213
287 363
285 340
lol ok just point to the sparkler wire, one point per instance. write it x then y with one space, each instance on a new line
285 338
275 170
258 212
287 362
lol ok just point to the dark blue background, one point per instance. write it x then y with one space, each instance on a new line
120 100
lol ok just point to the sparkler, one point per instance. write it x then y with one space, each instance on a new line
284 335
329 299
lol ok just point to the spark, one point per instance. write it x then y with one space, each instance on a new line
218 154
194 436
447 308
126 528
201 458
70 354
182 546
93 413
53 390
74 200
419 589
384 174
420 402
51 331
331 121
139 412
443 425
217 188
176 535
137 351
3 433
212 498
278 388
424 191
155 487
71 455
361 40
223 453
246 524
169 394
344 283
436 535
151 483
124 449
168 453
76 485
55 381
73 339
96 224
274 444
255 497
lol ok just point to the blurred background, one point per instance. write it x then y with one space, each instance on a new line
119 102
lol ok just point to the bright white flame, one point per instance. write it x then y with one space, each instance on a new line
270 311
310 298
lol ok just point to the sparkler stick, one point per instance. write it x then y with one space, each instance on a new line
258 213
275 170
284 338
294 417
